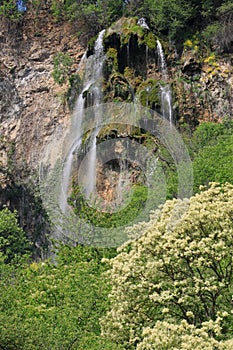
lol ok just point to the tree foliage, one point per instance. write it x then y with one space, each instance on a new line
219 32
169 17
55 306
214 163
176 19
13 241
8 9
109 218
212 146
176 276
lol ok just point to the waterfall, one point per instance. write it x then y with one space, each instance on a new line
165 91
161 60
90 185
75 141
97 96
98 57
166 102
142 22
92 84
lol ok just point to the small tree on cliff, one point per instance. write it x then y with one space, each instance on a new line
175 282
13 241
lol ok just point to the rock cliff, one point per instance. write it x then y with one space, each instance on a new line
33 107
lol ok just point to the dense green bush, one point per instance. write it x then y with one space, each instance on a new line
62 63
208 133
13 241
8 10
214 163
55 306
212 151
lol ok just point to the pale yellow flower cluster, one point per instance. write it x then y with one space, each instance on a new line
175 281
167 336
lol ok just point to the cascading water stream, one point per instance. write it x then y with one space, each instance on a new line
165 91
97 96
91 83
161 60
166 102
76 140
91 166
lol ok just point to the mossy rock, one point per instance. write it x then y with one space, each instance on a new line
111 63
118 88
134 80
127 27
127 33
91 45
128 44
75 88
117 130
148 94
112 55
150 40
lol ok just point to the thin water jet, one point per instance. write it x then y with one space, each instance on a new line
165 91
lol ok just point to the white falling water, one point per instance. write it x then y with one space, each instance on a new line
142 22
166 102
76 140
166 93
91 81
90 185
161 61
82 61
97 96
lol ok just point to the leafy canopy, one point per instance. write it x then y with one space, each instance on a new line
177 277
13 241
212 153
55 306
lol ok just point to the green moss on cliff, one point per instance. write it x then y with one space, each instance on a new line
148 94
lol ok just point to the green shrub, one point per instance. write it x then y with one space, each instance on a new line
13 241
55 306
62 63
8 9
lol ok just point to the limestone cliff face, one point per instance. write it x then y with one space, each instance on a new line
32 109
32 105
203 87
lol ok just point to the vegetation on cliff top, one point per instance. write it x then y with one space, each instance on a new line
177 19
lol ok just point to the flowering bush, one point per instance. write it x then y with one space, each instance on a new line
178 274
